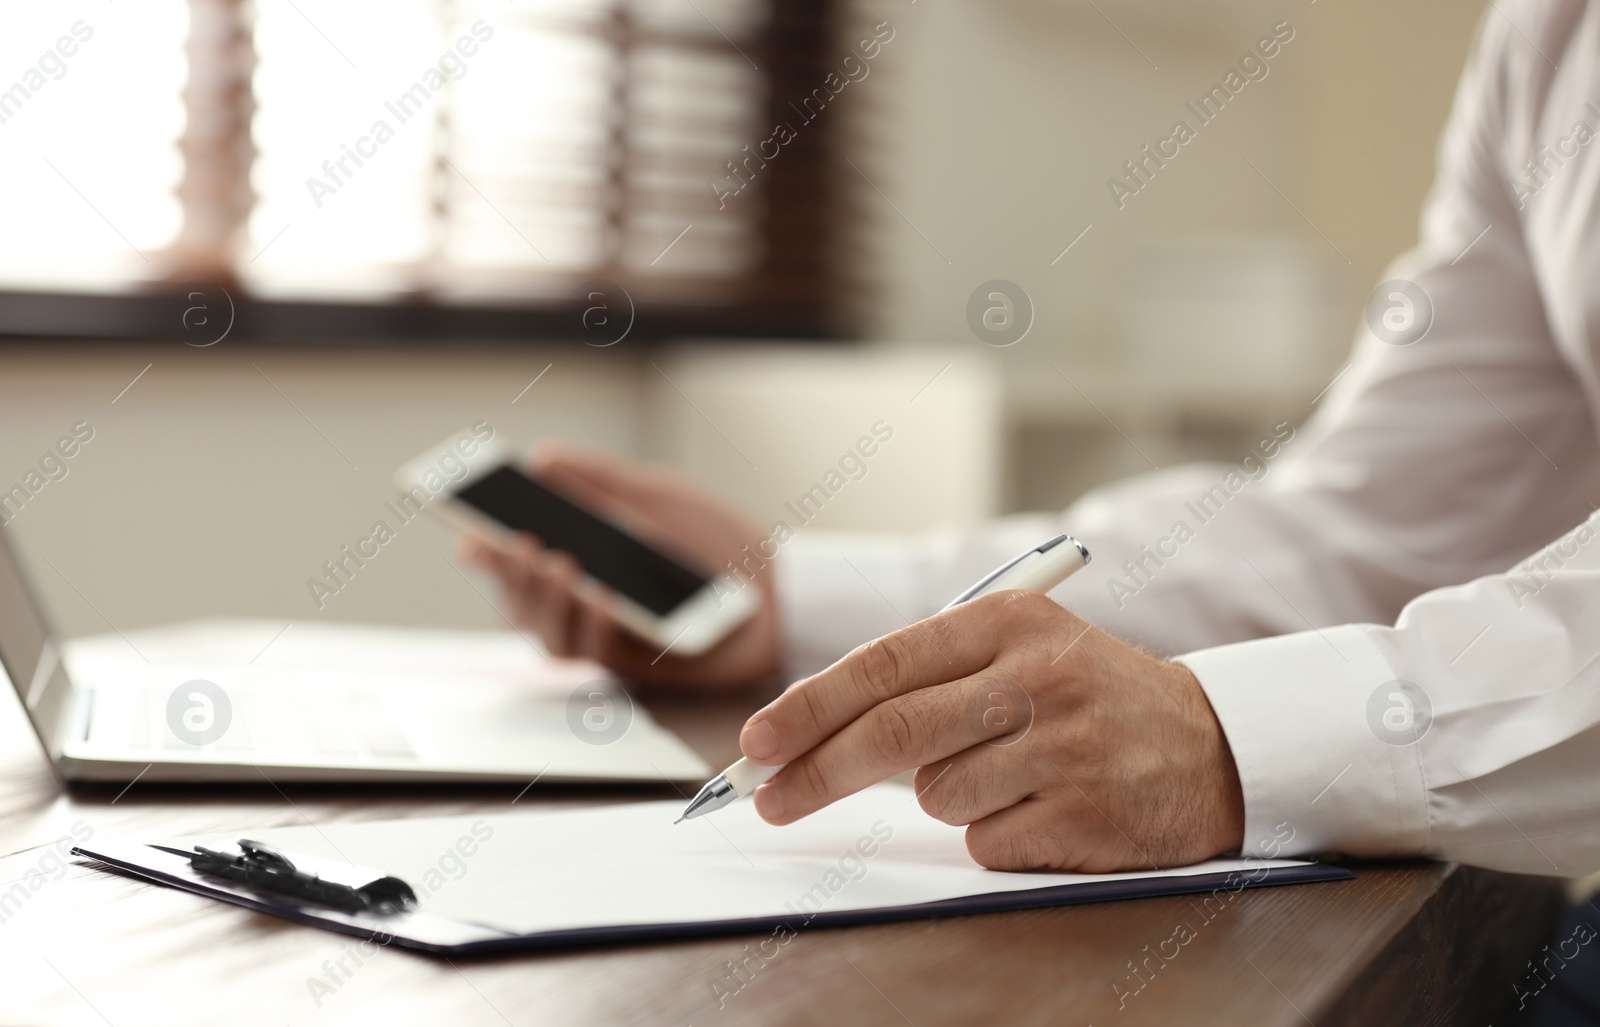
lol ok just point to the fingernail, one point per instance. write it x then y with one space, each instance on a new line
758 740
769 802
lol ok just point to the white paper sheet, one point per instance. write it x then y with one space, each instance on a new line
629 864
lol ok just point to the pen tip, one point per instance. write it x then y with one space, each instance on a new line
681 819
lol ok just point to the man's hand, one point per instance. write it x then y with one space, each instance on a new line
543 586
1060 746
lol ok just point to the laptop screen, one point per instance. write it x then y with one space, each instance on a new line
28 653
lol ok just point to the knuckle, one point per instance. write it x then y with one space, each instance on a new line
1089 750
933 805
1014 847
893 732
1002 706
993 849
879 664
950 798
810 781
807 712
935 635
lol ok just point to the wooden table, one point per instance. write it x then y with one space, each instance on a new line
1404 943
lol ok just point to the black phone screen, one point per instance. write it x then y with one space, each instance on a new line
608 554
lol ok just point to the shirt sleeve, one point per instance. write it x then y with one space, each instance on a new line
1470 730
1424 465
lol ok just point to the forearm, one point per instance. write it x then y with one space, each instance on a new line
1191 557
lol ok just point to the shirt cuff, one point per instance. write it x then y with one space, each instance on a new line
837 590
1303 714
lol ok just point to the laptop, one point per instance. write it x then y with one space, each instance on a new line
115 710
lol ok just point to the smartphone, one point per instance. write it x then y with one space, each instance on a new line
479 485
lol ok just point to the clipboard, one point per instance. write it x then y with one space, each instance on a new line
619 874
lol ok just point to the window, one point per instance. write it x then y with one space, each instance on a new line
77 83
475 160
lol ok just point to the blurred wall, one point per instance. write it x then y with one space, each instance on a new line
1004 120
989 144
223 478
218 481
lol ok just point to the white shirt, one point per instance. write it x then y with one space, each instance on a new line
1433 523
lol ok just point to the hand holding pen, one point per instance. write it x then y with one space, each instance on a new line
1040 569
1056 745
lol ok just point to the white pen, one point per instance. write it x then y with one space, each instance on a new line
1040 569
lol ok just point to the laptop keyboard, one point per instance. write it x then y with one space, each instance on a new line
287 720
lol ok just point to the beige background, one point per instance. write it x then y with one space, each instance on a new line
222 479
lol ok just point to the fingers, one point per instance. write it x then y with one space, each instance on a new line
1025 836
921 727
540 585
599 636
486 556
974 784
945 647
546 594
550 597
1058 826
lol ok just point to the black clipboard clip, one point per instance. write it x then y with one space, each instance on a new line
264 869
